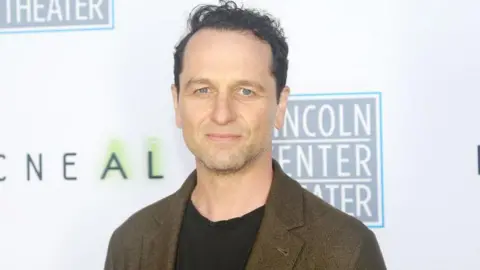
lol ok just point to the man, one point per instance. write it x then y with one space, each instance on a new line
238 209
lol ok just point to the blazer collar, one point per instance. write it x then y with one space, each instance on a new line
274 244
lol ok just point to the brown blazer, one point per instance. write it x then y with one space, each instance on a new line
298 231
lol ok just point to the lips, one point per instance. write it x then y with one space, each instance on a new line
223 136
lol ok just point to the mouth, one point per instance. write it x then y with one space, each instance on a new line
223 137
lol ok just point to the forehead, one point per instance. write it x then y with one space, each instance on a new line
227 54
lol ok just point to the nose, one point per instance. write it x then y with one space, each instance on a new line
223 109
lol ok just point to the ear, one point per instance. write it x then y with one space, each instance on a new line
282 108
175 97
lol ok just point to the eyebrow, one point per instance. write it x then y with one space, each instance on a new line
197 81
255 85
236 83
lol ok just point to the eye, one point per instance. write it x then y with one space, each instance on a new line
203 90
246 92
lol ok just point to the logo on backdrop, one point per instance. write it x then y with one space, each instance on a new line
115 163
332 145
55 15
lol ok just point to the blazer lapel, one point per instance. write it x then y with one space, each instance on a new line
160 247
276 247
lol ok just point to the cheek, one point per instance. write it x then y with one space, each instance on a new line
262 119
192 118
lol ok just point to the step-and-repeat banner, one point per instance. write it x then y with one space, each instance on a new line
382 122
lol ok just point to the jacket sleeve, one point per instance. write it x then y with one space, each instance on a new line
113 257
368 255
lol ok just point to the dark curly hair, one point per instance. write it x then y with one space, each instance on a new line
229 16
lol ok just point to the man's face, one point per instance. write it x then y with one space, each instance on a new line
227 103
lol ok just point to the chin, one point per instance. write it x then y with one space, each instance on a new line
227 161
224 165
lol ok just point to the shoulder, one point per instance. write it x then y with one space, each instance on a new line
145 219
141 222
128 235
322 216
333 234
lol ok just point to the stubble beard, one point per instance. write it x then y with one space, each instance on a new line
233 162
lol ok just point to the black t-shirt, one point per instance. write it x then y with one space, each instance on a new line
222 245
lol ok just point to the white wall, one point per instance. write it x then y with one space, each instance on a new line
77 91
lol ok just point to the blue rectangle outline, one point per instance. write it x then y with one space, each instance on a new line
478 159
53 30
379 94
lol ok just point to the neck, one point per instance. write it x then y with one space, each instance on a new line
222 197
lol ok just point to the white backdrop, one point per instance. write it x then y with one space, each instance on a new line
94 92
